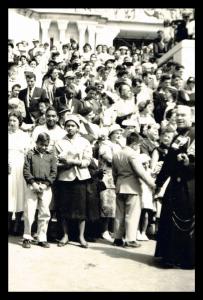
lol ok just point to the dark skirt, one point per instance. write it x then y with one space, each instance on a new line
72 199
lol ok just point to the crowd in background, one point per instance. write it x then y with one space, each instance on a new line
105 95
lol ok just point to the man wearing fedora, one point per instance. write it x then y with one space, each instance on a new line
33 51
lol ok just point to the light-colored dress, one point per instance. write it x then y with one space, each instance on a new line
108 196
18 144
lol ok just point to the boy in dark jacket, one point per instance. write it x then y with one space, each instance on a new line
40 171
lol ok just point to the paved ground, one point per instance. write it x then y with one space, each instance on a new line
100 268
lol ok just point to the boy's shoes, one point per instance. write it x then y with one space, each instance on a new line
44 244
26 243
34 241
132 244
118 243
106 236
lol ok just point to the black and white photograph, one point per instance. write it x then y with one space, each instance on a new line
101 150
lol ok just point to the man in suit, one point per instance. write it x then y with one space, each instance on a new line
68 101
31 96
164 98
127 170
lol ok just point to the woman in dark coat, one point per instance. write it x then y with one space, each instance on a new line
175 239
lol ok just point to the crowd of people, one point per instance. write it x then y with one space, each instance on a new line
101 143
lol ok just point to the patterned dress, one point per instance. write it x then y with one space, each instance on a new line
108 196
18 143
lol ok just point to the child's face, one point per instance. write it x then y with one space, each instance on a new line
166 138
42 146
136 146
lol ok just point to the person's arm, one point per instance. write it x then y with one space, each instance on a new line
154 159
140 171
53 172
88 126
29 178
106 153
86 157
114 172
22 109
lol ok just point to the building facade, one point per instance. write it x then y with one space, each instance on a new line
95 26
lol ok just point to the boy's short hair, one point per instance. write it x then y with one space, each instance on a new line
133 137
43 137
167 130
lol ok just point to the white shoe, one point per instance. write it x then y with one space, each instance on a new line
139 236
144 237
107 237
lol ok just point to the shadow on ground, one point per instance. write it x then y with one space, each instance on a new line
115 252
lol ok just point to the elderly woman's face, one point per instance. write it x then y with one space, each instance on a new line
13 123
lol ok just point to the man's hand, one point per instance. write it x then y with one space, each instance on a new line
184 158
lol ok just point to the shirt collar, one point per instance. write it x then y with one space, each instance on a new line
37 152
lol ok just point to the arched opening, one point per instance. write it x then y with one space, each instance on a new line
72 32
54 33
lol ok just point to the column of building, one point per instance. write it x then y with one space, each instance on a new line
45 27
91 31
81 28
62 26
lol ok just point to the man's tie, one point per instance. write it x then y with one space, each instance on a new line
30 95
